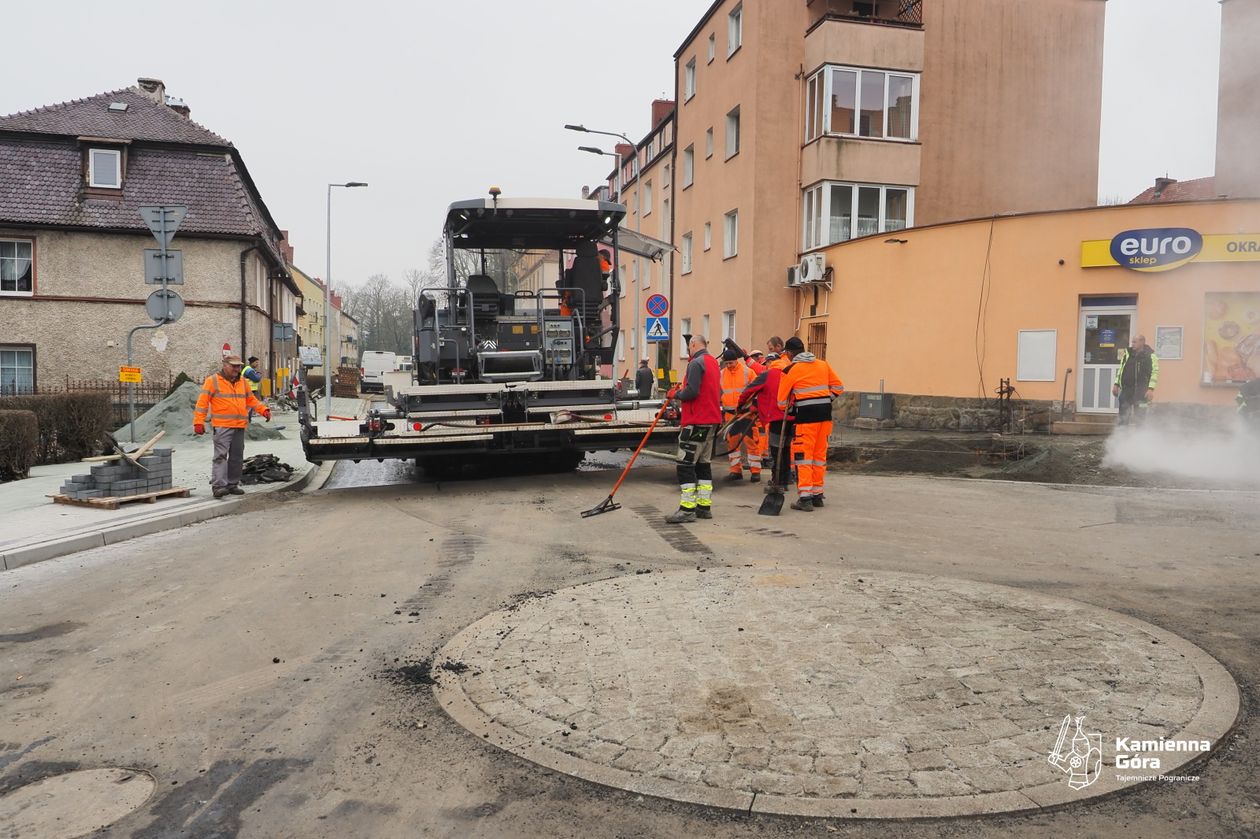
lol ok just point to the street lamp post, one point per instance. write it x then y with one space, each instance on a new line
328 299
638 225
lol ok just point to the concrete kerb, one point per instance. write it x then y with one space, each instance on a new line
312 479
1217 716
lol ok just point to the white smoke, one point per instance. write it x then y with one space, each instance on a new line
1227 456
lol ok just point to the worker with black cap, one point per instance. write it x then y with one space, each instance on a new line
742 444
809 384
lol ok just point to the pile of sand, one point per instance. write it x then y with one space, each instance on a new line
174 415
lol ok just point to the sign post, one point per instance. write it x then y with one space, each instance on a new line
163 306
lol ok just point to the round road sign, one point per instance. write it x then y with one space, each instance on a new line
164 306
657 305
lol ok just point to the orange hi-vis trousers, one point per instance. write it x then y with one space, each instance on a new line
809 455
751 446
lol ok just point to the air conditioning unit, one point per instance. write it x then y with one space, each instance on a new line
811 269
794 276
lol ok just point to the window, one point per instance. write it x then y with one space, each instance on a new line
816 340
105 168
704 328
621 345
730 243
684 328
686 253
17 370
16 267
734 29
665 231
708 144
835 212
665 177
728 326
689 80
689 166
862 103
732 133
647 198
712 46
708 235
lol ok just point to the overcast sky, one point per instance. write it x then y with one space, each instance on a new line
431 104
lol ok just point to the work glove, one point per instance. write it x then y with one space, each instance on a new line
673 392
199 428
266 414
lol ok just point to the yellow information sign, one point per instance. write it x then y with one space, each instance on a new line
130 375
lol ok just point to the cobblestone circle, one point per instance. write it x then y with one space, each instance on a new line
846 694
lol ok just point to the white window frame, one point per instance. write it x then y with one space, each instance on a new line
686 254
684 328
647 198
728 326
30 257
712 47
732 132
730 234
621 345
689 166
689 80
820 85
665 176
665 231
708 143
30 352
816 212
92 171
708 235
704 328
734 30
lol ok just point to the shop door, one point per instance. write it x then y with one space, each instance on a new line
1104 333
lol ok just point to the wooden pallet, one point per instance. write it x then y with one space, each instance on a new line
112 503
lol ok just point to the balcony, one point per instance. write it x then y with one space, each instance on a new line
907 13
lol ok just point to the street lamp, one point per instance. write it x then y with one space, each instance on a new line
638 221
328 299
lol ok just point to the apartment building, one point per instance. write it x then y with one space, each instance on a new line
804 123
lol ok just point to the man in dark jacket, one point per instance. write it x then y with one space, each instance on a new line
1136 380
644 379
701 398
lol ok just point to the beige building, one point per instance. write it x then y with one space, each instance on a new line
1238 106
311 320
73 178
804 123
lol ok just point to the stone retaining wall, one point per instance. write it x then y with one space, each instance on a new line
950 413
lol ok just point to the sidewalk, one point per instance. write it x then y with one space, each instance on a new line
34 528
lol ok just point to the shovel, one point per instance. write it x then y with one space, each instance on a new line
772 504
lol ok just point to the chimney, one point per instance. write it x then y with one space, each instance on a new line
153 88
586 192
285 248
661 109
1162 184
178 106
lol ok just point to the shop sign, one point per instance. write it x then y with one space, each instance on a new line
1166 248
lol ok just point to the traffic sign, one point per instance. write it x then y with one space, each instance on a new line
657 306
154 272
658 329
164 306
163 221
130 374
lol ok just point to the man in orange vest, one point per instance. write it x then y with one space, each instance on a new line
745 445
227 397
810 384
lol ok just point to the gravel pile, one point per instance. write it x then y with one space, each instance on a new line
174 415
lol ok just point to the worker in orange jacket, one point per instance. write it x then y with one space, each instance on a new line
745 445
809 384
227 399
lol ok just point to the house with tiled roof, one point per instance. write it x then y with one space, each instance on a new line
1167 190
73 177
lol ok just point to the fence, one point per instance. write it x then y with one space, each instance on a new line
148 393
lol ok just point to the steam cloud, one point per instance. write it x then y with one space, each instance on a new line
1225 457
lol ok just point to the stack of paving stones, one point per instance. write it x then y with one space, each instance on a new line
347 384
119 479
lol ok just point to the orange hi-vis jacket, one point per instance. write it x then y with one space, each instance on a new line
810 383
228 403
733 384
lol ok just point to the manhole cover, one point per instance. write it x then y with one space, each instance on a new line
871 695
74 804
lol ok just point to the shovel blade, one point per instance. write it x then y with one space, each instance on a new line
771 505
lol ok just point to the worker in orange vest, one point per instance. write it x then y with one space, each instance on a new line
756 362
809 384
744 445
227 399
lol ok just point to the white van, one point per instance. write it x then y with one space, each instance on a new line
372 369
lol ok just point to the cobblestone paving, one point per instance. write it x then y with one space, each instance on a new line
849 687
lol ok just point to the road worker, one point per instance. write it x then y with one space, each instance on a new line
774 346
809 384
743 444
756 362
763 395
227 399
701 398
254 376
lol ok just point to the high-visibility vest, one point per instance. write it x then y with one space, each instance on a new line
810 384
733 383
227 403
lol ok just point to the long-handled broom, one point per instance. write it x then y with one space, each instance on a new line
608 503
